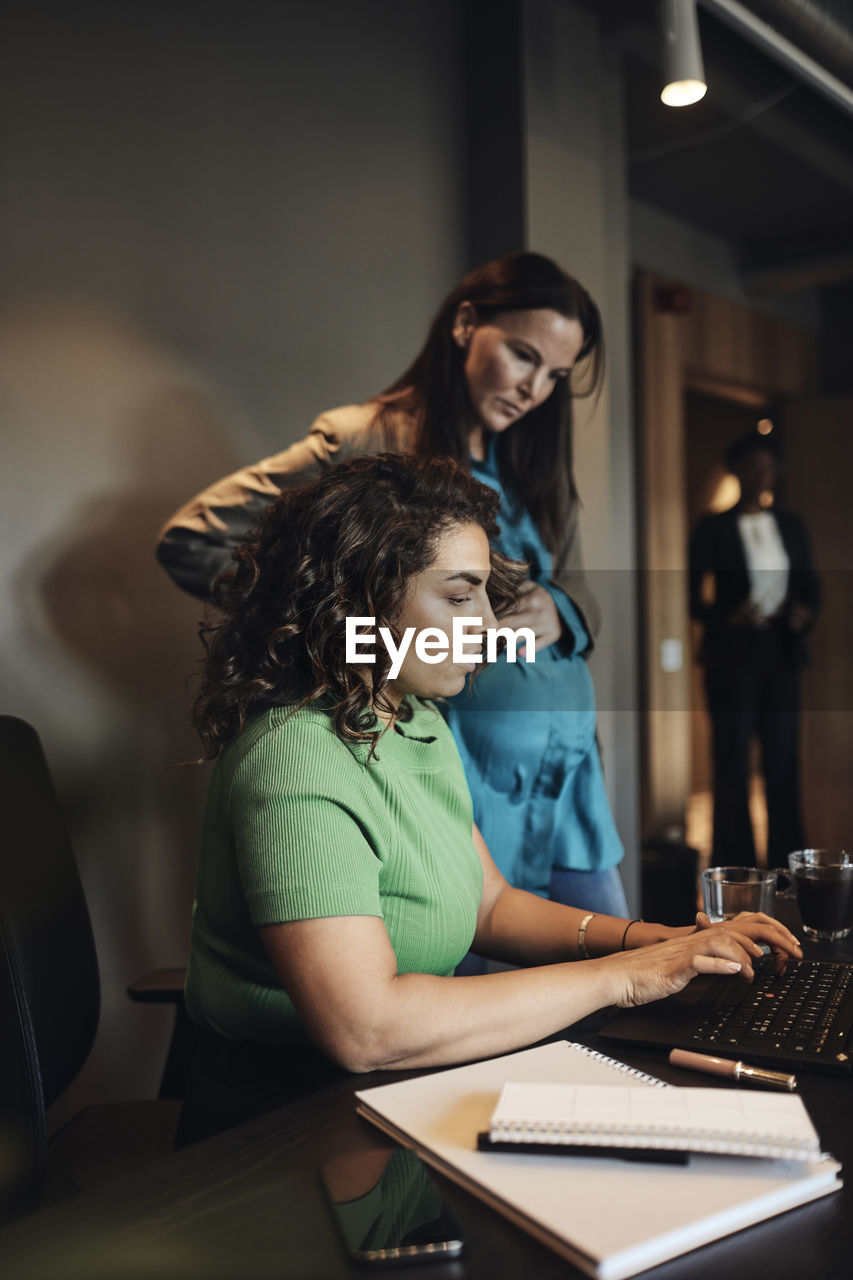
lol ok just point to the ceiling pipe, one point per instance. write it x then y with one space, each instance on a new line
823 29
777 46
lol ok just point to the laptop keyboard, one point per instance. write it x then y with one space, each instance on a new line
793 1012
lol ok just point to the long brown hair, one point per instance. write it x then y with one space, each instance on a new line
345 545
534 454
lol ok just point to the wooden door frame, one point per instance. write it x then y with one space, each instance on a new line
687 340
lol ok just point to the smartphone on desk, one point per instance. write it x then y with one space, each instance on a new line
388 1209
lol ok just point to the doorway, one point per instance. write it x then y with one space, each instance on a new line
711 424
715 349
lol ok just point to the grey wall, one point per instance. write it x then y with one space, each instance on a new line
217 220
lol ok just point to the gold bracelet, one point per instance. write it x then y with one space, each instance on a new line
638 920
582 935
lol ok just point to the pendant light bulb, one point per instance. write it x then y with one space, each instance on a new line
684 71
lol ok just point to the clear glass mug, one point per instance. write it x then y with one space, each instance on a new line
823 882
726 891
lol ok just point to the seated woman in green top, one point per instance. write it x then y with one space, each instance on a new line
341 878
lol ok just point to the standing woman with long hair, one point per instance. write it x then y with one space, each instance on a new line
492 388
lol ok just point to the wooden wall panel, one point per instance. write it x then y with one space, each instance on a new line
663 516
819 453
723 340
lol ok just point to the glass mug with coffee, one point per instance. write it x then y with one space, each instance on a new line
726 891
823 880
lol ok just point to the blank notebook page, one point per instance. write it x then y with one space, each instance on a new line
725 1120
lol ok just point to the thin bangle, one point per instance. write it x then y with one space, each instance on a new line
638 920
582 935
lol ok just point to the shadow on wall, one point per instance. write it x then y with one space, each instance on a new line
109 434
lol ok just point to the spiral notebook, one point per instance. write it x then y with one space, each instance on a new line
609 1217
603 1117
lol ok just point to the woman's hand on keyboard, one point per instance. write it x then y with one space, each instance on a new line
729 948
780 940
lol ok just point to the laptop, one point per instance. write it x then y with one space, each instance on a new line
802 1018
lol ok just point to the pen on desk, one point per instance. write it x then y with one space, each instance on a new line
731 1069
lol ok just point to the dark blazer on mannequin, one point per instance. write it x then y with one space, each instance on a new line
716 547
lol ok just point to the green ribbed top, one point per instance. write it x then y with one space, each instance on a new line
300 824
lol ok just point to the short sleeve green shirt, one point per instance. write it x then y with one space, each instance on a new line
300 824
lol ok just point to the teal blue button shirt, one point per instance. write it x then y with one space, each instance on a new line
526 735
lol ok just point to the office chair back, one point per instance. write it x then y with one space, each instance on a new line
49 985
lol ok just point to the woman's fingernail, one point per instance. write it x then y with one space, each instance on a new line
733 966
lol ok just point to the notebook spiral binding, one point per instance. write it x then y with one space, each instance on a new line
697 1139
641 1076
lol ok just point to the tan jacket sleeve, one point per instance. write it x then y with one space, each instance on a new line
197 542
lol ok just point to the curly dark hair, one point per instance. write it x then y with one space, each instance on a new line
344 545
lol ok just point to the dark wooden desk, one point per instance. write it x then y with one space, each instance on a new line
246 1206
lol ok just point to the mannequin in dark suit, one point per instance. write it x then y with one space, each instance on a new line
753 649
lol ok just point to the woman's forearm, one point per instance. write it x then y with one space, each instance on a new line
341 975
423 1021
522 928
428 1021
